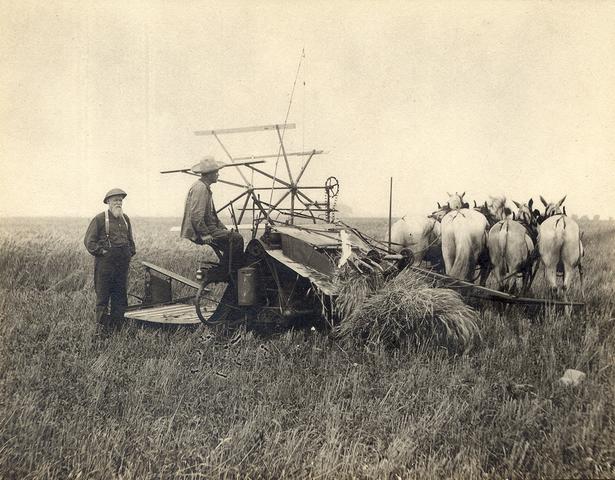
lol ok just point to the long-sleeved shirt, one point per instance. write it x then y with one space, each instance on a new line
120 234
200 218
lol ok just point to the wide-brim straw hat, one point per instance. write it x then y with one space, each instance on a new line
113 192
208 164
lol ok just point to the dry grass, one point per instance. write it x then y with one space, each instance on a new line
163 403
404 308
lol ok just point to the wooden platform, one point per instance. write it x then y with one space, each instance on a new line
176 314
175 276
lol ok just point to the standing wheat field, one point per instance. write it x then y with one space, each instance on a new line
149 402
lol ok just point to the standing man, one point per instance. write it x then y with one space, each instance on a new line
201 224
109 239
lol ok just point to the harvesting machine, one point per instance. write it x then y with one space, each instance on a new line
293 256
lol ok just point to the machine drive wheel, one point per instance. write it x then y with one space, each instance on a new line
210 310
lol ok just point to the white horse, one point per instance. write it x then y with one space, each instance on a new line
511 252
560 247
456 201
421 235
464 234
494 210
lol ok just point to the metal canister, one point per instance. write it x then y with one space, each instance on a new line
246 286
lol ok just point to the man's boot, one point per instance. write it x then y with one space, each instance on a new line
102 321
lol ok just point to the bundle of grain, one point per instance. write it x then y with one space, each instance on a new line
407 307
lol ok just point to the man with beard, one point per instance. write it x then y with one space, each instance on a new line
109 239
201 224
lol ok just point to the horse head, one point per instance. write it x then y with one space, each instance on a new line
439 214
456 201
552 208
497 207
524 212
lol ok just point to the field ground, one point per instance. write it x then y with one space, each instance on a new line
163 403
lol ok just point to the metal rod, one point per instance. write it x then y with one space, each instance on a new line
300 193
290 175
233 217
258 203
255 128
245 162
181 170
286 188
308 208
226 182
272 177
232 159
246 192
288 154
390 209
243 209
314 152
235 164
328 205
283 209
282 198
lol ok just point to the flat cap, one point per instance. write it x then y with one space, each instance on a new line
113 192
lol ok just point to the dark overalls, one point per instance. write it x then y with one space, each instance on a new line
111 242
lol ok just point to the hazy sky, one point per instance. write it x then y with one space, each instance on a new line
487 97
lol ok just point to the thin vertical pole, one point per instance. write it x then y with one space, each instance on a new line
390 209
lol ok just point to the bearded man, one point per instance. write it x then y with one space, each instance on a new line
109 239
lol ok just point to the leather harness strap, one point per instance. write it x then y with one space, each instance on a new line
107 226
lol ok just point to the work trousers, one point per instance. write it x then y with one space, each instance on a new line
229 242
110 279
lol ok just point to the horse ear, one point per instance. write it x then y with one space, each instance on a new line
486 206
439 207
449 194
463 194
544 202
530 203
514 216
475 204
562 201
518 204
565 211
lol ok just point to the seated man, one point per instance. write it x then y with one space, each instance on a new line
201 224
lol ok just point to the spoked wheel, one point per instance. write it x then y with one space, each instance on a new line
211 303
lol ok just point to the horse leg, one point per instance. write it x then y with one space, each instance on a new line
448 253
551 277
485 270
527 279
517 284
533 271
565 287
581 280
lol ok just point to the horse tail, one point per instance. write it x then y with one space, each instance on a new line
461 265
504 245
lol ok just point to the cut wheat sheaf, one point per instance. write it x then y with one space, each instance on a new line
407 307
